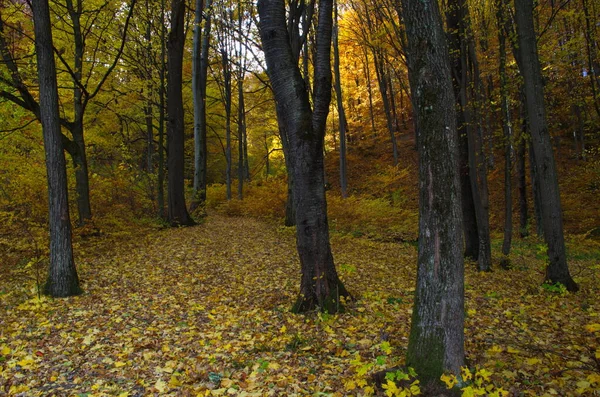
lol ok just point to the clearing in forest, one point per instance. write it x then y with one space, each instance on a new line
205 310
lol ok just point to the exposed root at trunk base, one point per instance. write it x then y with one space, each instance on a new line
331 303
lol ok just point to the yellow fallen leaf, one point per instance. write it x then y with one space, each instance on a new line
120 364
5 350
532 361
160 386
283 329
592 327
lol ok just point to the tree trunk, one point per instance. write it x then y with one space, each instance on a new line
62 275
178 214
148 108
241 118
369 89
161 118
383 90
507 129
340 106
558 270
320 286
227 91
522 186
199 76
82 183
456 35
436 342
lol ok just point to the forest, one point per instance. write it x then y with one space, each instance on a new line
299 198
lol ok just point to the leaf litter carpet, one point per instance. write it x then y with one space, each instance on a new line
205 311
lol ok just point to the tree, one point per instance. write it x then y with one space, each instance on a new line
178 214
436 342
546 175
82 80
62 276
305 129
340 103
199 75
473 176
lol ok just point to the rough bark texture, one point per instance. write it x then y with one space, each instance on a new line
62 276
304 129
178 214
436 342
558 270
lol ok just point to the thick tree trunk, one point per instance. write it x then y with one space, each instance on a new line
436 342
320 286
199 76
178 214
62 276
558 270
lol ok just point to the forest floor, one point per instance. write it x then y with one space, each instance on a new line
205 310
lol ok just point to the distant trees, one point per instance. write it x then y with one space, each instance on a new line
62 276
436 342
304 128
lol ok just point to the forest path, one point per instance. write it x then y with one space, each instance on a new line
180 311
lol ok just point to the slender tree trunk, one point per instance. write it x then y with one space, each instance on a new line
507 129
241 132
558 270
477 160
369 89
178 214
456 35
383 89
62 275
320 286
591 50
522 185
82 183
436 342
340 105
227 91
199 76
161 117
148 108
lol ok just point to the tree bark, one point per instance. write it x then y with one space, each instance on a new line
507 129
62 276
340 106
457 37
558 270
436 342
178 214
199 76
305 129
